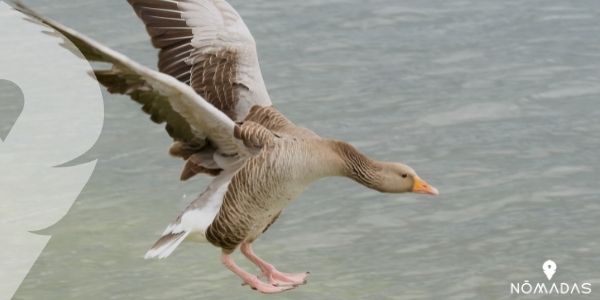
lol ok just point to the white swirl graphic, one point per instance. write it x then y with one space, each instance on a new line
61 119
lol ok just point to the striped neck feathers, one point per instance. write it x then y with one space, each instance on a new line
358 166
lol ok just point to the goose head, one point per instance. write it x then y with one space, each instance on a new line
386 177
400 178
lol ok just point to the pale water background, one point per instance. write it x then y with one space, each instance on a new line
497 103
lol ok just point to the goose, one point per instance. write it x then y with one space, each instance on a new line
209 91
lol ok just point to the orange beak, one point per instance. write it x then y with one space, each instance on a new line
422 187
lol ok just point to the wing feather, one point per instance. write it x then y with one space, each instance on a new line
205 43
189 117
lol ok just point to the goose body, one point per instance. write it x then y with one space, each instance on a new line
239 206
210 93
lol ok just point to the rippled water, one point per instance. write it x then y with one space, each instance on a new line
494 102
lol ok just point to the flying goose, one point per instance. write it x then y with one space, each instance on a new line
210 93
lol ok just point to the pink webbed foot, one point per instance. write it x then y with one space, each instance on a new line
277 278
271 274
265 288
252 280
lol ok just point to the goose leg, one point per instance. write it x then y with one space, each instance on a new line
268 270
250 279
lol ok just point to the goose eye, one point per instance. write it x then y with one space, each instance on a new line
404 175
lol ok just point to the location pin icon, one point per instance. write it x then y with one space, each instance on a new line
549 268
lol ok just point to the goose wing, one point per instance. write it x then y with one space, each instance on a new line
205 44
189 117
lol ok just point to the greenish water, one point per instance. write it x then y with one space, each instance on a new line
494 102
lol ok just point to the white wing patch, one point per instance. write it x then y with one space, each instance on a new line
194 221
198 220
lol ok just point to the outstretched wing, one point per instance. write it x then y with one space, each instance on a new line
205 44
189 117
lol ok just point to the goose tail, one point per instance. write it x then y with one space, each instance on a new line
167 243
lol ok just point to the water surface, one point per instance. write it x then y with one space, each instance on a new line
494 102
